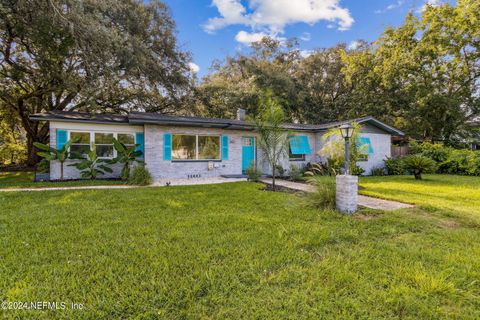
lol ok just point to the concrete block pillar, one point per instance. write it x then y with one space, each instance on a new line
347 193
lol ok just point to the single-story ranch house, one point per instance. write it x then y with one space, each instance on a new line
193 147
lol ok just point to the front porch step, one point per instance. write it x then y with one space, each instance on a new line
234 176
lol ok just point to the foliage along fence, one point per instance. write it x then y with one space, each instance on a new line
448 160
399 151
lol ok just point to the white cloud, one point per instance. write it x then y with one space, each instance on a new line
306 53
194 67
232 12
432 3
353 45
392 6
247 38
306 36
272 17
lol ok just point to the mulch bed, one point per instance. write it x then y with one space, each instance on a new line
268 187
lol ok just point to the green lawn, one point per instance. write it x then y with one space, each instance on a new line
452 195
232 251
25 180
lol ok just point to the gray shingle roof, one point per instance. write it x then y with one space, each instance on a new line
157 118
80 116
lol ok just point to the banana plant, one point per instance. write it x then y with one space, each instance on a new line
52 154
91 166
126 155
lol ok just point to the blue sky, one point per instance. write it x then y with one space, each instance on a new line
212 29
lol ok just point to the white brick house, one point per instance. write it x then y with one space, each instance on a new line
192 147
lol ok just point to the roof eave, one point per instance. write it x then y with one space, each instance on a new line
383 126
183 123
41 118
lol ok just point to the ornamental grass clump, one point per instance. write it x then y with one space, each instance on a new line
253 173
323 197
140 176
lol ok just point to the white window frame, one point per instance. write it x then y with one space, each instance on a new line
92 139
196 147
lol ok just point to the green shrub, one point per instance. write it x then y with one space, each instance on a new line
448 159
418 165
280 171
324 195
91 166
295 172
253 174
43 166
463 162
435 151
321 169
356 170
377 171
394 166
140 176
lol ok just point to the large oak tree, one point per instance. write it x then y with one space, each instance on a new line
88 55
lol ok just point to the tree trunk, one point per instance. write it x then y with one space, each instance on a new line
61 170
41 136
418 175
273 178
32 157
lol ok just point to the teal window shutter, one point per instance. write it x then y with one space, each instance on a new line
140 140
61 138
299 145
167 146
224 147
365 141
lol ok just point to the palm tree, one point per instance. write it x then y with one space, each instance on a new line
272 138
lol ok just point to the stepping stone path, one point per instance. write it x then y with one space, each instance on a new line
364 201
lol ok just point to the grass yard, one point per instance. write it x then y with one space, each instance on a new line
457 196
25 180
232 251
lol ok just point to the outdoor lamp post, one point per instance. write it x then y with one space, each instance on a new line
347 132
346 197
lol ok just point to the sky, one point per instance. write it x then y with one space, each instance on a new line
213 29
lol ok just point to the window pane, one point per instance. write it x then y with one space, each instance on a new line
80 137
292 156
247 142
105 151
104 138
209 148
79 149
126 138
183 147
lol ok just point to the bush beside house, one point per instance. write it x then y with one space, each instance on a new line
447 160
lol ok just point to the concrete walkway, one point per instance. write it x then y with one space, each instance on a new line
364 201
161 183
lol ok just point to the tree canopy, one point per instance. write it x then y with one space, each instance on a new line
422 77
88 55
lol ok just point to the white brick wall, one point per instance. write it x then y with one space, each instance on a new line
72 172
286 162
161 169
381 144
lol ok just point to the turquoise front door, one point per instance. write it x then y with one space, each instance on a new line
248 152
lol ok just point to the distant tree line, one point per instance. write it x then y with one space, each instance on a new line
422 77
122 55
